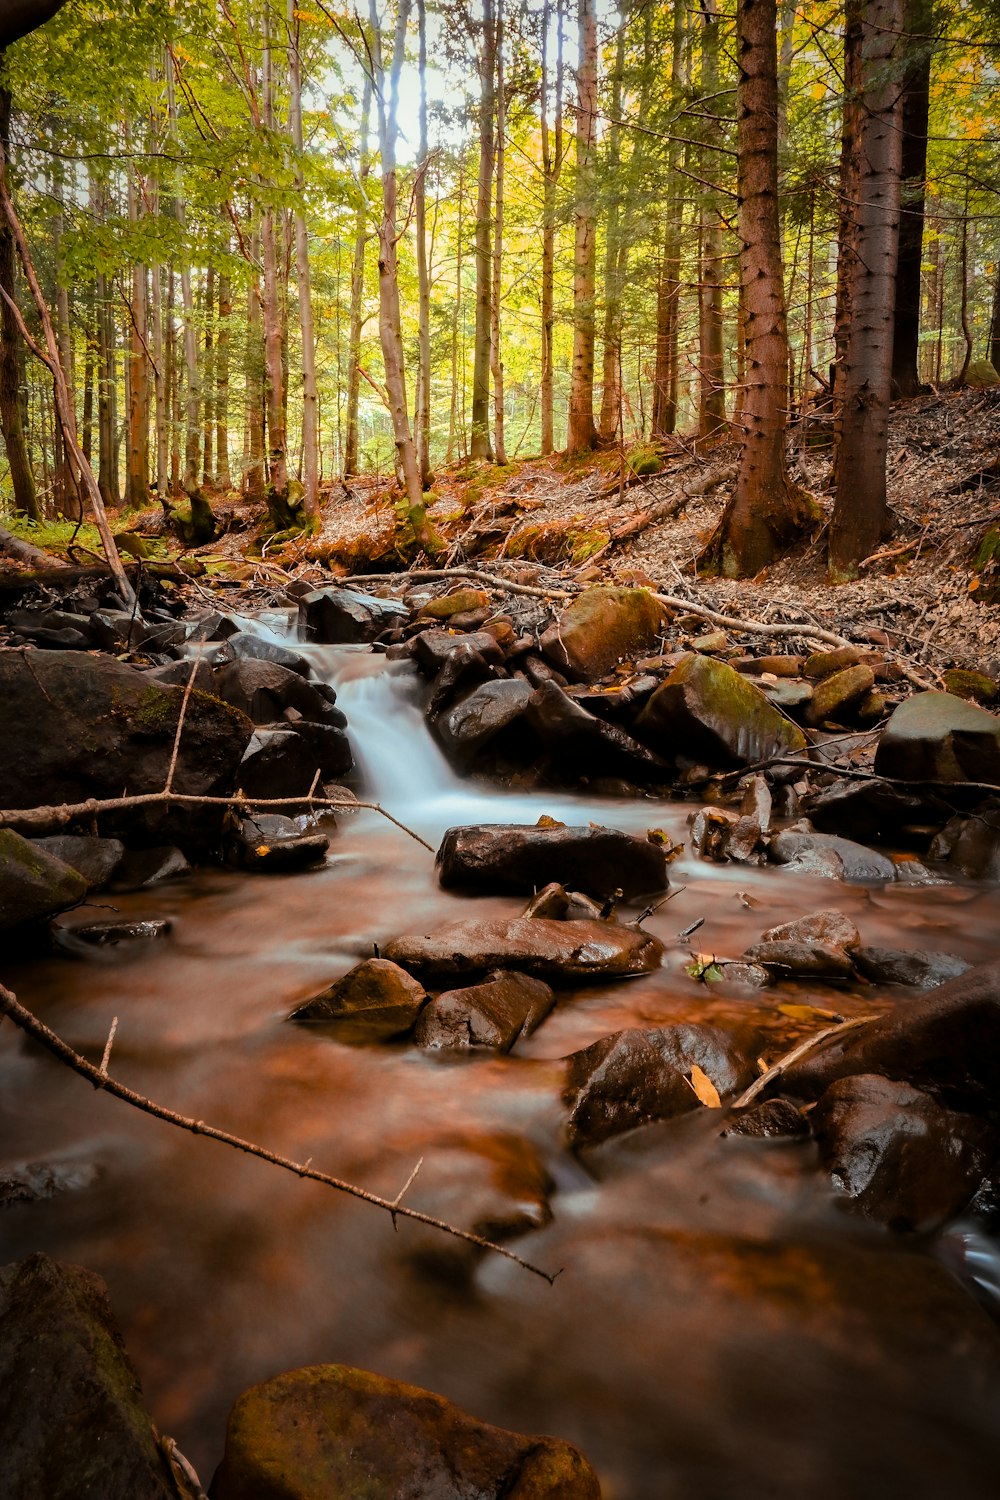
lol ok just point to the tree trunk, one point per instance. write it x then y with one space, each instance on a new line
223 473
765 512
915 111
582 433
254 436
137 457
608 424
480 444
861 430
496 358
552 159
11 424
310 396
274 369
208 382
107 404
422 421
993 349
89 361
456 313
711 383
357 294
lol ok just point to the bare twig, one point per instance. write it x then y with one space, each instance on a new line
168 784
783 1063
492 580
33 1027
107 1050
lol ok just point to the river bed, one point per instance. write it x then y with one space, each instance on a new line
720 1326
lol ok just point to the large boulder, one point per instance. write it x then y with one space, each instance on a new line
342 616
89 726
938 737
265 690
96 859
600 627
73 1425
876 812
827 855
477 719
707 712
946 1042
584 745
563 952
34 883
494 1014
970 845
522 857
897 1154
376 997
329 1431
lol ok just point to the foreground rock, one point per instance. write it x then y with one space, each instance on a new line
938 737
707 712
601 626
521 857
329 1431
946 1042
494 1014
79 726
344 616
897 1154
564 952
826 855
376 996
34 883
72 1421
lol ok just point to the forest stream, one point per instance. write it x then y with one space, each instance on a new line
720 1325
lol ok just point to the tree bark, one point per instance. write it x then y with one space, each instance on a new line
18 17
310 395
873 143
357 293
496 357
21 477
915 112
666 373
137 457
711 382
766 513
223 473
208 381
612 354
582 433
552 160
480 442
274 370
422 417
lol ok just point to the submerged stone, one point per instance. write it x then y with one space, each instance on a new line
564 952
494 1014
377 994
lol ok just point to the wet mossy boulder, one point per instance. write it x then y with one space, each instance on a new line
458 602
33 883
73 1425
600 627
976 687
376 995
328 1431
707 712
494 1014
938 737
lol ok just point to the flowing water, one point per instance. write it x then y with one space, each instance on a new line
719 1326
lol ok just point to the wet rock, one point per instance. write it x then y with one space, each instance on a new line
711 828
178 674
110 932
586 745
556 902
705 711
278 763
826 854
876 812
265 690
434 649
830 927
791 697
920 970
33 882
976 687
144 867
459 601
90 725
375 995
757 802
938 737
36 1181
897 1154
462 672
494 1014
634 1077
754 976
243 645
711 641
95 858
970 845
272 844
328 746
475 720
802 959
73 1425
521 857
946 1041
600 627
775 1119
779 666
328 1430
563 952
828 663
335 617
838 696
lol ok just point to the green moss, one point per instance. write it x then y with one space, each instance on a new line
644 460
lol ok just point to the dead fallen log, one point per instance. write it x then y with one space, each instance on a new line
23 552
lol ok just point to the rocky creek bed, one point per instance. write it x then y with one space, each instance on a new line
799 1293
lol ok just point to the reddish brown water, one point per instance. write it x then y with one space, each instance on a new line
719 1329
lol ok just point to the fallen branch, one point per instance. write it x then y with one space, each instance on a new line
783 1063
33 1027
38 820
21 551
667 508
433 575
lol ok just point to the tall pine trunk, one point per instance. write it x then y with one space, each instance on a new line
11 424
711 383
496 357
913 169
552 159
357 294
582 432
223 472
310 395
480 443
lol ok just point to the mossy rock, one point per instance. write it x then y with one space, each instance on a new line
457 603
975 687
981 375
707 712
938 737
600 627
328 1431
645 461
33 883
